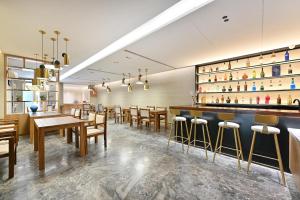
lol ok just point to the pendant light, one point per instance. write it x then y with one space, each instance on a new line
56 62
65 55
123 84
35 81
146 84
51 66
139 82
129 87
41 72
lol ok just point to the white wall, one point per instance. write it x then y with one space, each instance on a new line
166 88
72 93
2 86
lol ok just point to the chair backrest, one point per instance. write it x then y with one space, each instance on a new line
133 106
174 112
92 116
196 113
100 108
100 118
271 120
73 111
145 112
118 109
133 111
151 107
77 113
161 108
226 116
8 125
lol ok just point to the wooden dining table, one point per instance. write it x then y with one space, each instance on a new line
39 115
57 123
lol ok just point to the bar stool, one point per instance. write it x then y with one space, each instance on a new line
226 124
196 114
175 121
266 127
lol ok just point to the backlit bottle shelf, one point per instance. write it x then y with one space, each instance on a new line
236 92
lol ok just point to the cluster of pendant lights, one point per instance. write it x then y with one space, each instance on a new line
129 84
41 73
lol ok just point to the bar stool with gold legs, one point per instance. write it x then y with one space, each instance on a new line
175 121
266 127
194 122
226 124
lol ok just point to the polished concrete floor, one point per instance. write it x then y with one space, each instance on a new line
136 165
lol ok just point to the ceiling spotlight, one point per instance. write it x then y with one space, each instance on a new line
108 90
225 17
139 82
103 83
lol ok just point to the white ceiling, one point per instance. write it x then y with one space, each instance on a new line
197 38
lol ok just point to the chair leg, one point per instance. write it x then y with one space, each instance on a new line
189 142
96 139
204 140
195 130
11 161
170 134
181 131
279 160
187 130
208 135
221 140
77 140
216 146
240 144
237 148
251 151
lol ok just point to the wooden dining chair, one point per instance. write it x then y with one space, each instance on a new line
145 117
151 107
77 113
118 114
8 143
134 116
72 113
162 117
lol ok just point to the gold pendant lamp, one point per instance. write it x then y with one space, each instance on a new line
129 87
66 55
146 84
41 72
57 62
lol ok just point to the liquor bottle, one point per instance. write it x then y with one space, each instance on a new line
250 100
279 84
271 84
203 69
245 76
229 65
262 73
261 59
230 76
217 88
217 68
290 70
262 86
279 100
225 77
290 100
248 63
273 57
236 100
216 79
287 56
238 87
237 76
293 85
223 89
228 100
267 99
245 86
217 100
209 79
222 99
230 88
253 74
253 87
210 69
199 89
257 99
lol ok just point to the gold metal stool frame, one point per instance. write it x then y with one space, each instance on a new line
226 117
174 113
267 120
195 114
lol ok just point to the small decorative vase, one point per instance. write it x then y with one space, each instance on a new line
33 108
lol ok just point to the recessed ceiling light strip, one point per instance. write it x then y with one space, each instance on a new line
175 12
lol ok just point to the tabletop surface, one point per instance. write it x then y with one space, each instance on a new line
56 121
44 114
295 132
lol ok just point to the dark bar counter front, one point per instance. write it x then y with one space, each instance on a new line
264 144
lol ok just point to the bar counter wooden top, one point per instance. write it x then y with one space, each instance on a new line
277 112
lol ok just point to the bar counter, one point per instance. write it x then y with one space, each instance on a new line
264 144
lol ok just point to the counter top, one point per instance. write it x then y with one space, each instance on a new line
43 114
295 132
278 112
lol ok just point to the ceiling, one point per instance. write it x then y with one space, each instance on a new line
197 38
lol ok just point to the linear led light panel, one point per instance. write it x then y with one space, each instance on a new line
175 12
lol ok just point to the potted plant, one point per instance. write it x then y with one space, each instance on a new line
18 97
43 97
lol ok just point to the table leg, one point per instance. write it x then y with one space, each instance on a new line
35 139
69 136
166 120
41 141
62 132
11 161
155 121
158 122
83 142
31 130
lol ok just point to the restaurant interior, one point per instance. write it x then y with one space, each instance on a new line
150 99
